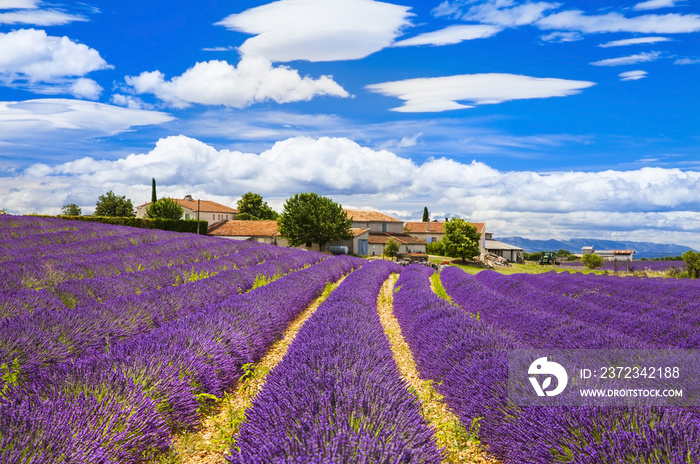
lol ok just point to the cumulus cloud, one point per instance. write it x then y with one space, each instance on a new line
655 4
444 93
48 64
627 60
36 119
451 35
319 30
576 20
632 75
220 83
647 200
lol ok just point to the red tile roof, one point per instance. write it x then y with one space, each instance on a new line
245 229
359 215
437 227
358 232
425 227
205 206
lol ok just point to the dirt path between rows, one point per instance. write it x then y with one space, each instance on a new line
459 445
212 441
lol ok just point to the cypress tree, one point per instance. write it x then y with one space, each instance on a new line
154 197
426 217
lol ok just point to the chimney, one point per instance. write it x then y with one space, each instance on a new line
189 198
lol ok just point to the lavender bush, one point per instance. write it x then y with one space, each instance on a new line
337 396
109 380
535 317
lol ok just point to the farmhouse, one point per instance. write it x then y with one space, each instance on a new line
434 231
619 257
255 231
381 228
209 211
510 252
407 243
267 232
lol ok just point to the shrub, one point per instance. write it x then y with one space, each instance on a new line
435 248
165 208
692 263
592 261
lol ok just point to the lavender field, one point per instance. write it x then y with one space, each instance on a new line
115 339
634 266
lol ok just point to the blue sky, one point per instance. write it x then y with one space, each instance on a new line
542 119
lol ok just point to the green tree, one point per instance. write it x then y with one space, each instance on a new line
692 263
112 205
391 248
592 261
71 209
536 256
426 216
165 208
461 239
310 218
154 197
252 207
435 248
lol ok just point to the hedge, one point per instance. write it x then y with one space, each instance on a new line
183 225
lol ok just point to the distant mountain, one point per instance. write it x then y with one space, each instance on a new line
574 245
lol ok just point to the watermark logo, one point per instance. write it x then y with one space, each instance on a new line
543 367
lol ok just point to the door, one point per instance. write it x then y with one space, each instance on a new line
362 247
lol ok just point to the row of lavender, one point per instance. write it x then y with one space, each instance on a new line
71 289
38 331
109 380
636 313
337 396
620 266
465 351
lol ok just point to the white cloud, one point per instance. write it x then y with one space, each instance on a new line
562 37
86 88
685 61
220 83
627 60
29 57
29 15
632 75
319 30
635 41
32 120
451 35
655 4
129 101
443 93
576 20
650 202
18 4
219 49
505 13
